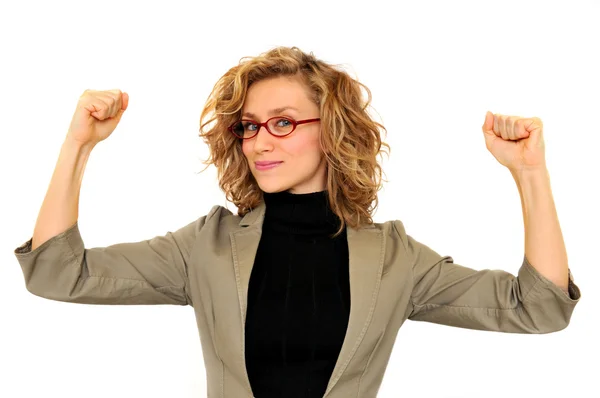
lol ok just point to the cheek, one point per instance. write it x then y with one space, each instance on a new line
246 148
304 146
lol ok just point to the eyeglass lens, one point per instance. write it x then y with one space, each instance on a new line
278 126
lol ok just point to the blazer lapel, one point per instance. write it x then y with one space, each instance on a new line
366 253
365 249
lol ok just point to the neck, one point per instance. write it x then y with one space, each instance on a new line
307 213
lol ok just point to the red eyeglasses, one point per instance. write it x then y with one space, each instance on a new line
279 126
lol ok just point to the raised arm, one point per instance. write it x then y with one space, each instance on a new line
489 299
55 263
96 116
152 271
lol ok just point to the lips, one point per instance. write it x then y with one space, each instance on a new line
266 163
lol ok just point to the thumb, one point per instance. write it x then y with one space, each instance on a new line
124 105
488 123
119 115
535 129
125 99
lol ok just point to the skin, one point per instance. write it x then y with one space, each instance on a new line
304 167
518 144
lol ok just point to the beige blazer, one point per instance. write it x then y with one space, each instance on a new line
207 263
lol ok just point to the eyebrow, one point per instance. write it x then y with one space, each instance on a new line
275 111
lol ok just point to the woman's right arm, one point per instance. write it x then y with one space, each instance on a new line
96 116
56 264
60 208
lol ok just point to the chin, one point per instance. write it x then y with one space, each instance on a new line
272 188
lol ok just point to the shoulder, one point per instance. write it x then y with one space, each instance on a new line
217 214
391 227
398 229
392 231
219 217
224 219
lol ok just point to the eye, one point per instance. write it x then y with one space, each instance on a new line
283 122
249 126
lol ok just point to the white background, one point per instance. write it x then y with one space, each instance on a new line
434 69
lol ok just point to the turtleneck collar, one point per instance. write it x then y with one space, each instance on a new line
305 214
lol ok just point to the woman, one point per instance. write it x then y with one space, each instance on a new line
299 294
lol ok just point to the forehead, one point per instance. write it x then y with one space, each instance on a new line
269 94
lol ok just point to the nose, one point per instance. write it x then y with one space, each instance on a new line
263 141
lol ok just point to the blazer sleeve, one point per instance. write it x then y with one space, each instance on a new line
151 271
489 299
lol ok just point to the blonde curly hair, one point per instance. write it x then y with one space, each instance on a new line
350 138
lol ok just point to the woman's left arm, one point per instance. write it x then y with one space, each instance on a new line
544 244
518 144
541 298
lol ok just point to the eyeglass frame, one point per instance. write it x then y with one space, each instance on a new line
295 124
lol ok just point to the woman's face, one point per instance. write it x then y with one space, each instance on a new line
303 166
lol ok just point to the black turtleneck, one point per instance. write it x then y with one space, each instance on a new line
298 298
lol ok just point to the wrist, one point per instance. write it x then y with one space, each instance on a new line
530 174
77 146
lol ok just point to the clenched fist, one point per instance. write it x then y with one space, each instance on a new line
516 142
96 115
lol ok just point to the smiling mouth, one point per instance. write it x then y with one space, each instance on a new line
267 166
